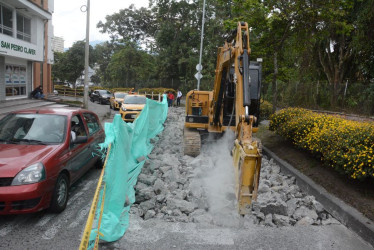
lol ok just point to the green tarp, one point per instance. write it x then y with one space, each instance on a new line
130 145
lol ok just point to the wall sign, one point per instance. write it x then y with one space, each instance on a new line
16 47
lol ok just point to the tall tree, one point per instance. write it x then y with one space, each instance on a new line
70 64
103 53
130 25
131 67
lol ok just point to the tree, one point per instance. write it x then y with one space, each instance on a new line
271 24
103 53
69 65
170 31
131 67
130 25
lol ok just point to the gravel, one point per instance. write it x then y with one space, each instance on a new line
175 187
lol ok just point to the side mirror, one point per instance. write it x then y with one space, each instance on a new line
80 140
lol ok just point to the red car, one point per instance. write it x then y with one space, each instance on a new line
42 153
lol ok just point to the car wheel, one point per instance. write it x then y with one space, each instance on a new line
110 106
60 194
101 101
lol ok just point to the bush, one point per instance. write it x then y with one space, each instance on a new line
266 109
345 145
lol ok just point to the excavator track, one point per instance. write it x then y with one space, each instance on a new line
191 142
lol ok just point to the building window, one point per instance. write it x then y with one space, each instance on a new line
6 24
15 80
23 28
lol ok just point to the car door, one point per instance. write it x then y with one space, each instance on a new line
80 155
96 134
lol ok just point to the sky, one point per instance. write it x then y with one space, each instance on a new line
70 23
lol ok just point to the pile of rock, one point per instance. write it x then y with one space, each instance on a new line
281 202
174 187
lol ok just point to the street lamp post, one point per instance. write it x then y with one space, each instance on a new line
201 48
85 97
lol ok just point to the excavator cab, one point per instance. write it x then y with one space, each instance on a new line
255 70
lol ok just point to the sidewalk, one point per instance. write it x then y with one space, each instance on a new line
25 103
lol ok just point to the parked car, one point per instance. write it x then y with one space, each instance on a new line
116 100
132 106
102 96
42 153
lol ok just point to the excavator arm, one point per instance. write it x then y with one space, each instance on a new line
246 152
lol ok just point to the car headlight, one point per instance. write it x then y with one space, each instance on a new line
123 108
32 174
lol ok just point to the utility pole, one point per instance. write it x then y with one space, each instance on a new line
199 67
86 56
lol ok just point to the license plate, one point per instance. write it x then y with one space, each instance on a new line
133 116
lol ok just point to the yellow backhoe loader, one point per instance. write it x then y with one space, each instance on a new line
233 104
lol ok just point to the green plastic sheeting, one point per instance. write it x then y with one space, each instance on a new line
130 145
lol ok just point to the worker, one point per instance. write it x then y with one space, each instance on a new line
132 91
179 96
170 99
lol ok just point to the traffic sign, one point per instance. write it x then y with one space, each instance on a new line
199 67
198 76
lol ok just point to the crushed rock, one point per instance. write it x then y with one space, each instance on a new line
176 187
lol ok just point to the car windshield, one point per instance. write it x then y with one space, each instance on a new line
104 92
119 95
135 99
33 129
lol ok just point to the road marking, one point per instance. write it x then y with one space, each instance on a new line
74 197
10 226
44 220
81 216
62 218
88 185
51 232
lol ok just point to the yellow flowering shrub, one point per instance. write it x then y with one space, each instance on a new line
345 145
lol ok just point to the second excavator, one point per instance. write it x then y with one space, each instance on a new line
234 103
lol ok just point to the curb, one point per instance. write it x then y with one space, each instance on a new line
344 213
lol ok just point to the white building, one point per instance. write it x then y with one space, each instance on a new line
58 44
25 47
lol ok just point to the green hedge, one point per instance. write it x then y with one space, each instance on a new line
345 145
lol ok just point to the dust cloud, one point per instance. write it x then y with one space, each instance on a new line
219 180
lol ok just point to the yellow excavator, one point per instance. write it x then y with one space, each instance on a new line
233 104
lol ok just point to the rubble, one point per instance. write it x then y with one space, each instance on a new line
176 187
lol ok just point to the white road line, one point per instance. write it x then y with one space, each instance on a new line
81 216
10 226
44 220
88 185
64 217
74 197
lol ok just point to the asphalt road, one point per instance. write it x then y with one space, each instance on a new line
45 230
